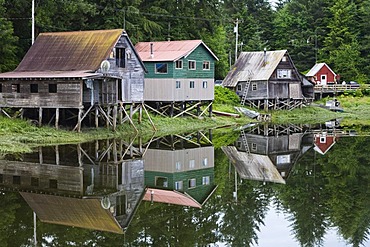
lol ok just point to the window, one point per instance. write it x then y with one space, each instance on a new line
192 183
191 164
161 68
205 84
283 159
34 88
205 162
34 182
179 185
53 183
17 180
161 182
191 84
254 146
239 87
16 88
192 64
284 59
178 166
322 139
52 88
205 180
178 84
206 65
254 86
1 88
283 73
178 64
120 57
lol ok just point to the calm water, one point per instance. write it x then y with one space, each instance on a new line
257 186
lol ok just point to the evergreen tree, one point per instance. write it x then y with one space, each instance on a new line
7 42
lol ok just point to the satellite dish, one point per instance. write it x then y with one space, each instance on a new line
105 66
105 203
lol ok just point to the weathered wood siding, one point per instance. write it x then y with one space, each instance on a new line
165 90
67 178
260 92
68 95
121 84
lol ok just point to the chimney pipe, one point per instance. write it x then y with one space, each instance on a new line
264 57
151 50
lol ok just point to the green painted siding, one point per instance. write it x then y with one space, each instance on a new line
199 193
199 55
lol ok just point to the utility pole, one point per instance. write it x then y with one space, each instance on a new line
33 21
236 38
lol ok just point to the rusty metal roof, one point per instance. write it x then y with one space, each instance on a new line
168 50
170 197
68 211
69 51
257 65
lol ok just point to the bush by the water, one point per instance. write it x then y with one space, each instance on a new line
226 96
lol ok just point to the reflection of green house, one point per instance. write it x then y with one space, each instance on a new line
188 171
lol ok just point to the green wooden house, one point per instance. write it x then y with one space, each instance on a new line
180 74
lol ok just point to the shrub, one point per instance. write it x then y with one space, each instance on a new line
226 96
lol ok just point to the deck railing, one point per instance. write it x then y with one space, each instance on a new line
338 88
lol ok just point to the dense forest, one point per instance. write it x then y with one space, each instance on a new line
333 31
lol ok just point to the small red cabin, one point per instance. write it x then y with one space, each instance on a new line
323 142
321 74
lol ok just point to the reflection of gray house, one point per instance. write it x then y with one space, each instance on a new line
179 171
91 185
278 145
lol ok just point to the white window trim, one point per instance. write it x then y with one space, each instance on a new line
192 83
195 64
178 85
182 64
281 72
155 69
209 65
205 84
254 86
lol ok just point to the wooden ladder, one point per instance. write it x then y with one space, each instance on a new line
245 143
246 89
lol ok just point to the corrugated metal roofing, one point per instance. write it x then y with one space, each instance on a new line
84 213
170 197
69 51
254 63
316 68
253 166
168 50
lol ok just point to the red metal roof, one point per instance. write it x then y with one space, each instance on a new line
168 50
70 51
170 197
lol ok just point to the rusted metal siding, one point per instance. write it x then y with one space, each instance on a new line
165 90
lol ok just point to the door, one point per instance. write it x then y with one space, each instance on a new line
323 79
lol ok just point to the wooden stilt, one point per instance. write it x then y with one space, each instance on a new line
108 116
96 116
114 117
79 120
120 114
57 160
57 118
40 116
79 154
140 113
210 110
41 158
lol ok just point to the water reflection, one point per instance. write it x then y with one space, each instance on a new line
200 189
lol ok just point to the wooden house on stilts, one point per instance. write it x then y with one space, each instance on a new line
75 78
180 77
267 80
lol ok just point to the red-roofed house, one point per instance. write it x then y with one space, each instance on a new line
180 75
321 74
323 142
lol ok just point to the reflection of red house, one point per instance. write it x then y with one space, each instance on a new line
323 142
321 74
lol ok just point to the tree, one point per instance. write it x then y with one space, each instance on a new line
7 42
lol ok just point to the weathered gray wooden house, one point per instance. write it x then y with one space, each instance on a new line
95 185
266 80
89 76
180 76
